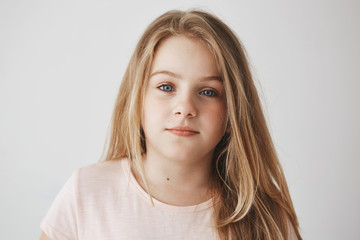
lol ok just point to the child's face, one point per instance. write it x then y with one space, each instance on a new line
184 106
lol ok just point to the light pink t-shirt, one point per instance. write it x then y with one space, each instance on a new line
103 201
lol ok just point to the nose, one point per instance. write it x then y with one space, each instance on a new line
185 106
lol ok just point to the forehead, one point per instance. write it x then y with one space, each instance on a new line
185 56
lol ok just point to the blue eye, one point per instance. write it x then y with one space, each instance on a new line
166 88
209 93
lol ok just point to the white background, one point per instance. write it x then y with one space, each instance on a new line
61 63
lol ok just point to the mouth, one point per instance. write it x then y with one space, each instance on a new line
182 131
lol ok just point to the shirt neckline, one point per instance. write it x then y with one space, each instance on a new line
158 204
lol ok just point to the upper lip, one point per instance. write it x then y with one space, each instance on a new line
183 128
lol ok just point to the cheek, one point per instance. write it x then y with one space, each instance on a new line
153 111
216 115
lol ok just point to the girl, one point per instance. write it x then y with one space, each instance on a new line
189 156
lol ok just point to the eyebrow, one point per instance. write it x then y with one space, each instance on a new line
172 74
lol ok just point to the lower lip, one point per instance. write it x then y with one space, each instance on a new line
182 133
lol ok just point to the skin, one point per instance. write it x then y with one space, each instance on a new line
44 237
184 89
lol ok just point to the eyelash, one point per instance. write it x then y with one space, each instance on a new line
213 93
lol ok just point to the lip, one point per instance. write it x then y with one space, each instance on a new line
183 131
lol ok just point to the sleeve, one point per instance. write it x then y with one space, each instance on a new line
61 220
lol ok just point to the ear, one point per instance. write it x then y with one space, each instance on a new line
228 128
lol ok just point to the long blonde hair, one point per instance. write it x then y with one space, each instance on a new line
253 200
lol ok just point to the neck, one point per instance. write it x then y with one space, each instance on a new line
177 182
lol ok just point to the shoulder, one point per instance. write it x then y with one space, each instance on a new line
84 197
100 176
102 170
